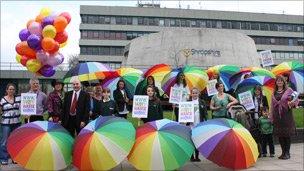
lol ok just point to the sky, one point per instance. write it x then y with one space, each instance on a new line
15 14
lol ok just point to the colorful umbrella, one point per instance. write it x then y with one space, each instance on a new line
252 71
87 71
295 69
41 145
195 77
161 145
131 77
103 143
225 143
225 72
267 84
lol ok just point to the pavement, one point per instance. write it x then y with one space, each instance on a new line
264 163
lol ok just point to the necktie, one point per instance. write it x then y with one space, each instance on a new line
74 104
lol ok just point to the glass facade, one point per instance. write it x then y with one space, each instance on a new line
102 50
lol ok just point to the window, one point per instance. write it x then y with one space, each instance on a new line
124 36
118 20
218 24
112 35
183 23
129 35
235 25
101 19
203 24
118 35
167 22
101 35
83 50
226 24
84 18
188 22
172 22
255 26
151 22
272 41
89 51
193 23
112 51
140 21
90 34
177 22
134 35
107 20
264 26
90 19
95 35
84 34
156 21
95 51
107 35
280 27
135 20
161 22
123 20
245 25
273 27
290 42
146 21
209 24
129 20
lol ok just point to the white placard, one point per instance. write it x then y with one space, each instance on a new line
176 95
246 100
140 106
211 90
266 58
186 112
28 103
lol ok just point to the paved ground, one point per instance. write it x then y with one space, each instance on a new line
266 163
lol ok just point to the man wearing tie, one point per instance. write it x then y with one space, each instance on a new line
75 109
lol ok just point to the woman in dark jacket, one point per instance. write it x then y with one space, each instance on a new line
121 99
155 111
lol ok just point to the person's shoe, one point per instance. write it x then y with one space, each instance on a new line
288 156
271 155
14 162
285 157
198 160
264 155
192 160
281 156
4 163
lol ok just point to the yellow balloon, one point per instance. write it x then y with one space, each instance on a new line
33 65
18 58
63 44
49 31
45 11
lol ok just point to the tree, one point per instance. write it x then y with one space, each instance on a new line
73 60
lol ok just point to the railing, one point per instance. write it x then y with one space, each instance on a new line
14 66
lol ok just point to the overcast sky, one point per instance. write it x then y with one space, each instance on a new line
14 16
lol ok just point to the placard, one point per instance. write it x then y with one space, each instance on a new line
176 95
246 100
28 103
211 90
140 106
186 112
266 58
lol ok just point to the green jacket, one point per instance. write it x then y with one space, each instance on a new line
265 125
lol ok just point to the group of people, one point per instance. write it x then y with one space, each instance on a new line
74 109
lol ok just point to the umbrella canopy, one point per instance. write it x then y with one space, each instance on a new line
41 145
131 77
161 145
195 77
295 69
225 143
252 71
86 71
267 84
103 143
225 72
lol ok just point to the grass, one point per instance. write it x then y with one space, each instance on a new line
298 115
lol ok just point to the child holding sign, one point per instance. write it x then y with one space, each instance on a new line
155 111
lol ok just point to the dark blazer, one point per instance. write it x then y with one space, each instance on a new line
155 111
82 108
264 103
105 109
120 99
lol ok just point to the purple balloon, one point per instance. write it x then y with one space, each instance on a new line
55 59
47 71
47 21
42 56
24 34
33 41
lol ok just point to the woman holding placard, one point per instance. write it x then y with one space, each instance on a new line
155 110
9 109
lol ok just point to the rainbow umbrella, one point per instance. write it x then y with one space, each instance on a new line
267 84
161 145
295 69
225 143
41 145
103 143
252 71
225 72
87 71
195 77
158 72
131 77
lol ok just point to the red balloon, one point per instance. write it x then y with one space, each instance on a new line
23 60
60 23
48 44
61 37
56 48
23 49
66 15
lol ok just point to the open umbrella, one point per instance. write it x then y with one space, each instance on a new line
161 145
225 72
195 77
87 71
295 69
252 71
103 143
41 145
225 143
131 77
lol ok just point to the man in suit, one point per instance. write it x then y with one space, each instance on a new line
75 109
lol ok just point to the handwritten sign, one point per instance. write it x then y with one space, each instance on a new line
246 100
211 90
186 112
266 58
140 106
28 103
175 95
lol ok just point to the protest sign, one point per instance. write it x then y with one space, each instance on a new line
186 112
28 103
246 100
175 95
140 106
211 90
266 58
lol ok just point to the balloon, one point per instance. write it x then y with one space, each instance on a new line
29 22
47 21
23 49
63 44
67 16
24 34
18 58
55 49
48 44
23 60
35 28
33 41
39 18
47 71
61 37
60 23
55 59
45 11
42 56
33 65
49 31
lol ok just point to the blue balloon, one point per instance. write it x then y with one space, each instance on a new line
47 21
24 34
34 41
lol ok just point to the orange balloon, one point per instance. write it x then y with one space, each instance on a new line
23 49
60 23
55 49
48 44
39 18
29 23
23 60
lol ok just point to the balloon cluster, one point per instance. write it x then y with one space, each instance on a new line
38 50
